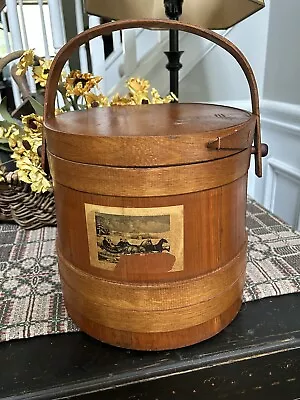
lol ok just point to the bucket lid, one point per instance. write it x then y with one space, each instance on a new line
150 135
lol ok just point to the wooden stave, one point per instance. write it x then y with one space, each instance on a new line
145 296
149 182
231 200
153 341
163 340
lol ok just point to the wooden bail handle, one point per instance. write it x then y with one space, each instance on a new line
67 50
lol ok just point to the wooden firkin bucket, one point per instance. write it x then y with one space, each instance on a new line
151 204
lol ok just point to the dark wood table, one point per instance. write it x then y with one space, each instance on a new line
256 357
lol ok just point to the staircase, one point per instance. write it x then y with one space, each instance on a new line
133 52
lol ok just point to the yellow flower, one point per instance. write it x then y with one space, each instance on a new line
118 100
23 176
16 156
25 61
156 99
5 133
2 132
41 72
58 111
2 179
30 171
31 144
25 146
40 183
137 85
138 89
170 97
33 123
93 100
140 98
79 84
13 136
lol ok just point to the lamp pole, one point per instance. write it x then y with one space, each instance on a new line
173 10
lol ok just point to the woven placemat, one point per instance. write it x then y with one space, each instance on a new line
31 299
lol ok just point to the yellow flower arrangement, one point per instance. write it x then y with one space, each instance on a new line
2 174
33 123
79 84
26 61
94 100
137 85
24 146
40 72
118 100
24 138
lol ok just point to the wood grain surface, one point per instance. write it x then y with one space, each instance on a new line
214 230
112 136
153 296
128 306
154 321
155 341
131 277
149 182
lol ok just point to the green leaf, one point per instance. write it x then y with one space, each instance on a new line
3 140
38 107
5 124
6 115
5 148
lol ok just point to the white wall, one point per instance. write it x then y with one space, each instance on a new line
282 81
218 77
279 189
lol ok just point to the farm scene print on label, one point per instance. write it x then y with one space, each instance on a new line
136 238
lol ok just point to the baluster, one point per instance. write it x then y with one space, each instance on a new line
44 32
6 38
58 33
57 27
14 25
29 77
17 43
5 30
23 25
61 13
80 28
161 35
117 44
97 53
129 51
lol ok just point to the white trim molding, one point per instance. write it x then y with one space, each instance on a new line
274 169
285 116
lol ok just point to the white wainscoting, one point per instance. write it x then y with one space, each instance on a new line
282 191
279 189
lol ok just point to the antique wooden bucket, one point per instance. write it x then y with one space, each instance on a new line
151 204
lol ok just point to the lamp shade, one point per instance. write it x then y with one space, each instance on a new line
212 14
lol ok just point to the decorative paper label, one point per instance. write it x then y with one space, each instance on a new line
114 233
